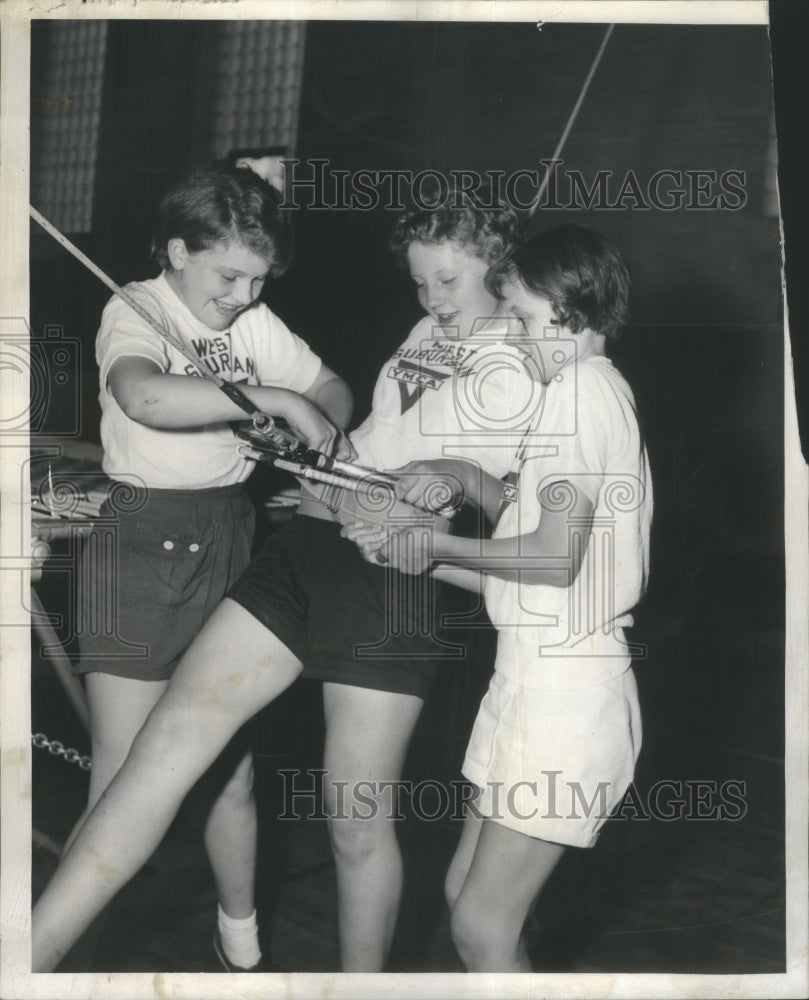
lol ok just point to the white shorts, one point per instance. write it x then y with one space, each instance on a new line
554 762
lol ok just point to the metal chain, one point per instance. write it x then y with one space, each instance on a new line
56 748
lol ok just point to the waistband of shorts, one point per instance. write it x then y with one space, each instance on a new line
206 493
554 669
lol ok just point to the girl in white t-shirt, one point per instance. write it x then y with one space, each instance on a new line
185 531
556 738
309 604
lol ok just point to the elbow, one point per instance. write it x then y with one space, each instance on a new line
140 406
335 398
346 398
139 389
561 576
346 412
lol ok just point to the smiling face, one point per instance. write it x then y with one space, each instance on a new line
536 318
218 283
450 285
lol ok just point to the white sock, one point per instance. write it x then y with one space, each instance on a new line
239 938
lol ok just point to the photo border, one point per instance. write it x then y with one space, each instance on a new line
15 715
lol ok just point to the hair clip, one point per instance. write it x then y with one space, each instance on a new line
268 168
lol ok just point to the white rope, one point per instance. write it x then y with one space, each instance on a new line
132 303
573 116
262 421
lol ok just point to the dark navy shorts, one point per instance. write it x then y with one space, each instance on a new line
348 621
149 579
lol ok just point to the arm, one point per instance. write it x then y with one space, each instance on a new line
332 396
450 479
551 555
157 399
459 576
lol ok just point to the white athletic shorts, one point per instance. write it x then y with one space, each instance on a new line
554 761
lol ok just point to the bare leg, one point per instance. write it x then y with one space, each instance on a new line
231 834
462 859
367 733
118 708
233 668
508 870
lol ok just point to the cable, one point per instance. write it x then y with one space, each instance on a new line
573 116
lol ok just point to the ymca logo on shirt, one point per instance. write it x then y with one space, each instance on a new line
410 370
414 381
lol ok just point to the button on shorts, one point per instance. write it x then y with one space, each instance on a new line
149 579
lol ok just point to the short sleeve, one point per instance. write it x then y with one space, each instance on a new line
123 333
577 445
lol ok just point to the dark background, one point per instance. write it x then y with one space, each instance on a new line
704 352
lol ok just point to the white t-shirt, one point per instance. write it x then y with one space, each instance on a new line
588 434
257 349
443 397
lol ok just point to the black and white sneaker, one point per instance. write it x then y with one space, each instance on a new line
262 966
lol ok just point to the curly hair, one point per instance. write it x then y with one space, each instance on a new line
220 203
485 232
579 271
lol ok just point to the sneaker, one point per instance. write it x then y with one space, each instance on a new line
262 966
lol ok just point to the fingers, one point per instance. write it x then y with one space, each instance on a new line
429 492
411 482
376 545
408 488
364 534
345 450
325 441
379 554
370 539
318 434
430 484
412 490
373 554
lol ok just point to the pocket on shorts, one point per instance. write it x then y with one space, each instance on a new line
490 724
169 568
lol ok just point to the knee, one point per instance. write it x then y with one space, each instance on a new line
453 884
466 930
456 877
354 841
157 737
477 937
358 828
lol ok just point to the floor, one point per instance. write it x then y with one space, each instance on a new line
679 895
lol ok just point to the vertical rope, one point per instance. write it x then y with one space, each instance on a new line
573 116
